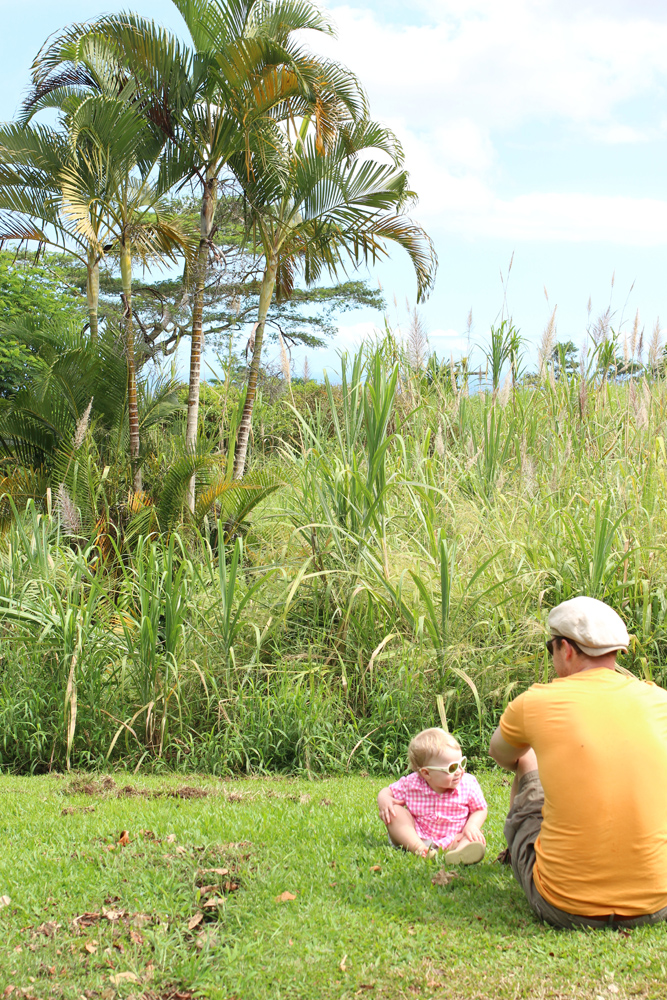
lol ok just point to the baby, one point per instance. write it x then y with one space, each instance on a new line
438 805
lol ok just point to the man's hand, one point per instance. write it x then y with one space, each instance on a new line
387 806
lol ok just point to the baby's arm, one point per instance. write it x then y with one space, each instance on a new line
473 828
386 805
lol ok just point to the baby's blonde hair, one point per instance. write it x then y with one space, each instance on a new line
428 744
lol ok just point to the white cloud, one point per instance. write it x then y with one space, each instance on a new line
484 70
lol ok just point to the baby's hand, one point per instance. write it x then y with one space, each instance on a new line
473 833
386 808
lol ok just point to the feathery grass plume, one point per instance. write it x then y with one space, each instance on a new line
452 374
546 348
284 361
504 395
600 330
417 345
527 470
82 426
635 335
67 512
306 370
655 346
626 353
632 397
643 407
439 443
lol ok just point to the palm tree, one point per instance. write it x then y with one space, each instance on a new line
319 209
111 141
33 161
220 98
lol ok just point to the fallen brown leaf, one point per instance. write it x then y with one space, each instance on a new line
67 811
4 901
326 802
342 965
113 915
85 920
124 838
235 797
123 977
90 947
9 990
135 937
444 877
214 871
171 839
230 886
204 890
285 897
194 921
48 929
376 868
214 901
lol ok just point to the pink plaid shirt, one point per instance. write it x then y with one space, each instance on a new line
439 816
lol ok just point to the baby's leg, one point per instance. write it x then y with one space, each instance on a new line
403 833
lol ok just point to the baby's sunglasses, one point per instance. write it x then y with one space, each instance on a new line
451 768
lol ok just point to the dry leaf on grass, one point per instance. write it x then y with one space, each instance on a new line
90 947
4 901
214 871
235 797
285 897
48 929
124 838
204 890
85 920
444 877
213 902
376 868
342 965
113 915
9 990
194 921
123 977
135 937
171 839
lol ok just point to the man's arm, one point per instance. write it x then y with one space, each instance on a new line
504 753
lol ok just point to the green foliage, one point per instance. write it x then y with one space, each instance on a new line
395 547
36 291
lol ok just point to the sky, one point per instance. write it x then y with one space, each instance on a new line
535 132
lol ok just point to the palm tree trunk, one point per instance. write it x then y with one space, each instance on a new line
243 435
93 293
208 204
133 407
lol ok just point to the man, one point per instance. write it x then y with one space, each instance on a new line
587 835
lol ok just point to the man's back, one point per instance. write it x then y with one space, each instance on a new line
601 745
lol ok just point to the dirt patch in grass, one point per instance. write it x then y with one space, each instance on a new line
86 786
107 786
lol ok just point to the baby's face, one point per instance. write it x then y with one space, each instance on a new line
440 781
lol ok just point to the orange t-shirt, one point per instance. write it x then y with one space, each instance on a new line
601 744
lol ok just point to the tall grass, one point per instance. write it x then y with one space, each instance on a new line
402 574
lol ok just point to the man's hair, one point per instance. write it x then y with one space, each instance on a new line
428 744
558 642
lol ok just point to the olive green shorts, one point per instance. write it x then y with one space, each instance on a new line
522 828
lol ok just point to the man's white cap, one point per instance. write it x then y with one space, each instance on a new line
593 625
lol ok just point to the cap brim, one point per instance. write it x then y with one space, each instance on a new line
600 650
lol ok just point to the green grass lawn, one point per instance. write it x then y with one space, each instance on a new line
365 920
